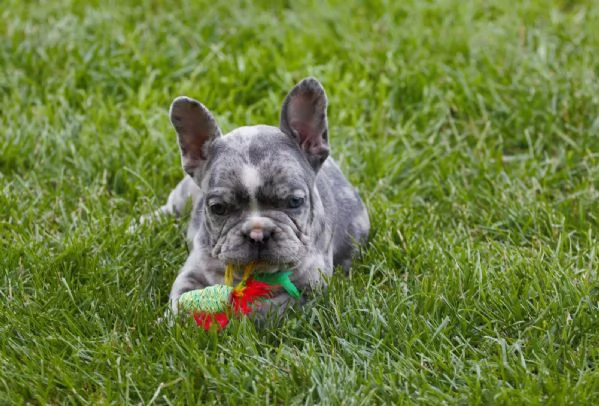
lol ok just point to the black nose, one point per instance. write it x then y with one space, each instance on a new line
259 235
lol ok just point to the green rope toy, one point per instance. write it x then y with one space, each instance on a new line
218 302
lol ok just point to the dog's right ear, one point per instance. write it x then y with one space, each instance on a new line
196 129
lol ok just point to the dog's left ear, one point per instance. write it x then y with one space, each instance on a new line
304 118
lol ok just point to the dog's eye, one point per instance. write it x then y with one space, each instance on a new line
218 208
295 202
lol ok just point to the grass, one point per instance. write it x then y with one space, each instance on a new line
470 128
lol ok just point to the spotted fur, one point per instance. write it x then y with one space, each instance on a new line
265 194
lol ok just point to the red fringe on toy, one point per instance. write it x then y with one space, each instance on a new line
253 291
205 320
241 301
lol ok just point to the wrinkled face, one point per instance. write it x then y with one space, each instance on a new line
257 197
257 182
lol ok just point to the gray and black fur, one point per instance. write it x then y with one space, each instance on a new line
264 194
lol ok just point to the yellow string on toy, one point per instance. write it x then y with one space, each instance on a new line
229 270
247 272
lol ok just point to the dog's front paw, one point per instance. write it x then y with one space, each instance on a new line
174 306
170 314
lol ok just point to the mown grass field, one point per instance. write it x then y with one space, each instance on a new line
470 128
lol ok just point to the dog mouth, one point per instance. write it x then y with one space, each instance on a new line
263 267
266 261
284 247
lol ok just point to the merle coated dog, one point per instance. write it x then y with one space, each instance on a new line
266 195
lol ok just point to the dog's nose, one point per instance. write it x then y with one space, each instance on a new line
259 235
258 229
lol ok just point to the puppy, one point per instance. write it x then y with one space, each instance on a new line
265 195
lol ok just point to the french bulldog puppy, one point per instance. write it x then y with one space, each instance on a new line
265 195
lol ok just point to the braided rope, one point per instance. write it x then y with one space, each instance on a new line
211 299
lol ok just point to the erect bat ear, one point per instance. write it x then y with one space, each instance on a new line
196 129
304 118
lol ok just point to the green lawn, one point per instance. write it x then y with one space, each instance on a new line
471 129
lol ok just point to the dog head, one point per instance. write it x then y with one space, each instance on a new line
259 200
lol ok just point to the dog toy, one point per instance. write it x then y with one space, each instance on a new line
218 303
